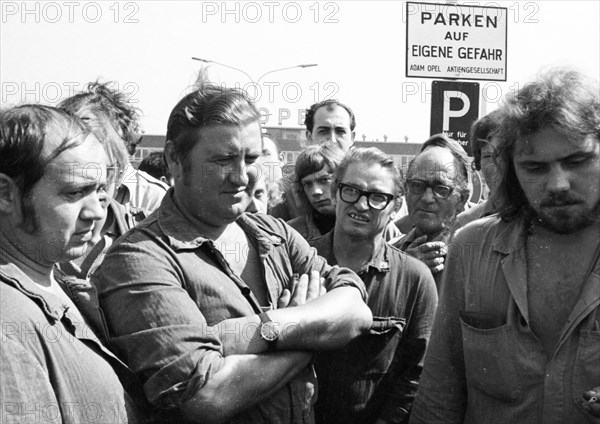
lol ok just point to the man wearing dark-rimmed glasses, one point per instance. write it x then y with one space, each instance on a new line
374 378
436 192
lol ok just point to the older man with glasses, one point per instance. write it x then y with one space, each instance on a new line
374 378
437 189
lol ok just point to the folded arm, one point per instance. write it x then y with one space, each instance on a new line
243 381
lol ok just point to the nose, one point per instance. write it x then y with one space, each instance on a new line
362 204
558 180
316 191
332 137
427 196
242 174
253 205
94 207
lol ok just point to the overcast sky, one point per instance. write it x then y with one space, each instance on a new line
48 50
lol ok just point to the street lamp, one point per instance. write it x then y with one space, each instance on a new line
305 65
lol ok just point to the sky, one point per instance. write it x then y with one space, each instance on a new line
50 50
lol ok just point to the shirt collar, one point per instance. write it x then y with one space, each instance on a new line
53 306
180 232
183 235
510 237
379 261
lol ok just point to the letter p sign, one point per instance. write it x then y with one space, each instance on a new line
454 107
448 112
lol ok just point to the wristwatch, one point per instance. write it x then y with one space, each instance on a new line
269 331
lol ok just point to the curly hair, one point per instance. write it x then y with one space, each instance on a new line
100 99
562 99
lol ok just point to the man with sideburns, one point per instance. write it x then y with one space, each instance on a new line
220 311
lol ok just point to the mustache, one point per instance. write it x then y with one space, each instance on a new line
560 199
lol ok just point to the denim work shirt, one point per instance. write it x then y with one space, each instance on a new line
376 375
162 286
54 368
484 365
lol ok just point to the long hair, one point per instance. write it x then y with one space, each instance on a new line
562 99
311 160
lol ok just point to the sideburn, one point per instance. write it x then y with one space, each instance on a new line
30 222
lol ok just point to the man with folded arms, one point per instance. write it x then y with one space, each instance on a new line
201 298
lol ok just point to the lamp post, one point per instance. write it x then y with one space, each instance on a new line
304 65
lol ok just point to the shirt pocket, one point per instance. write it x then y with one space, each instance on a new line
490 361
586 369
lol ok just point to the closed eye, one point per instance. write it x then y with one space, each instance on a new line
576 161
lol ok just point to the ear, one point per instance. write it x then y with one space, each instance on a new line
175 167
352 135
308 135
9 195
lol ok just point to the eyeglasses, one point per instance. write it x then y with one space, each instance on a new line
439 190
350 194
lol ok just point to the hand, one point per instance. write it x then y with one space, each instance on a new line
303 290
432 254
592 409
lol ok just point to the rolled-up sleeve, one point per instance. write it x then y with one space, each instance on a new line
155 325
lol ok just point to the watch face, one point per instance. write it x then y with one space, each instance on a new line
270 331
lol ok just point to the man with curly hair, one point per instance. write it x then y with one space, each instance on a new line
140 192
516 337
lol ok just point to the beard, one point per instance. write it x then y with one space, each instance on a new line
565 214
30 223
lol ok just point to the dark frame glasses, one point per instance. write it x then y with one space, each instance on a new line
375 200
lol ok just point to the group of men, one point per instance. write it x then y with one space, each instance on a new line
206 313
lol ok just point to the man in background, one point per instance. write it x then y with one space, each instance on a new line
330 121
138 191
436 192
154 164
